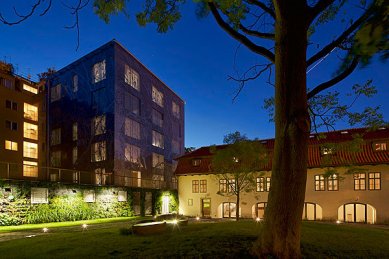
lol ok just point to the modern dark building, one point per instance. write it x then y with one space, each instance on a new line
22 126
110 115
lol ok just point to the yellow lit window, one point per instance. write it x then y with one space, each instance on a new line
30 169
30 131
30 150
10 145
30 89
30 112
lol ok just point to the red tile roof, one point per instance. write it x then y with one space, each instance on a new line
365 156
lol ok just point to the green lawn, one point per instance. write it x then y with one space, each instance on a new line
216 240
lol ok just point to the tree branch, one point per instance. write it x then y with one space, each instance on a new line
22 17
239 37
258 34
327 49
334 80
318 8
263 7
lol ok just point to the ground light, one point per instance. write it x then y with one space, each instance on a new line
84 226
197 218
258 219
45 230
175 221
338 222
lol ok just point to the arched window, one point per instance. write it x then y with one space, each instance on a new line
312 211
357 212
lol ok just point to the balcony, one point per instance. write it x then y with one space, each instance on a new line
11 171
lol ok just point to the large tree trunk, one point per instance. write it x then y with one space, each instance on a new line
280 236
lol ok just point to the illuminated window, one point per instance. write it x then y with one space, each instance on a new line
360 182
327 150
222 185
30 131
176 110
131 77
333 183
75 131
132 103
158 161
55 137
75 83
374 181
30 112
268 184
99 151
196 162
55 158
132 128
157 96
132 153
74 155
157 140
30 89
11 105
10 145
203 186
157 118
30 150
380 146
55 93
319 183
195 186
101 177
231 185
11 125
98 125
30 169
99 71
260 184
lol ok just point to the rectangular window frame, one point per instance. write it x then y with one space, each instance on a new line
195 186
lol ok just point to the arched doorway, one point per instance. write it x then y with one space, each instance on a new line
260 209
229 210
357 212
312 211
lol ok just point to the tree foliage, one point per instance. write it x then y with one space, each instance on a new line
237 164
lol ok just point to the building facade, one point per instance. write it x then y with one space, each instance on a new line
110 115
347 180
22 126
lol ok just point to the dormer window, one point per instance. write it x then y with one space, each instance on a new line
380 146
327 150
196 162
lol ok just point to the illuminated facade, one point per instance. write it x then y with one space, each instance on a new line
351 196
22 116
110 115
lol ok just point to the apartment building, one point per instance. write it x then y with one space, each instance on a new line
356 190
22 126
110 115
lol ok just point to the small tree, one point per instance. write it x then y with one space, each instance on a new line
237 165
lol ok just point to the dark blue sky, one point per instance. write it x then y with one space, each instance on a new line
194 60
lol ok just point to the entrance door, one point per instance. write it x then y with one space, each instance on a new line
206 207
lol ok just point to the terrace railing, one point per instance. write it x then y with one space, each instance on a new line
12 171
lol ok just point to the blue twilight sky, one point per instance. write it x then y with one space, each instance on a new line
194 59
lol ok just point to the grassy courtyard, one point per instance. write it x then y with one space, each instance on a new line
217 240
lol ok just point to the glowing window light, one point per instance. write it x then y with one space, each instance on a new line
30 89
165 204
